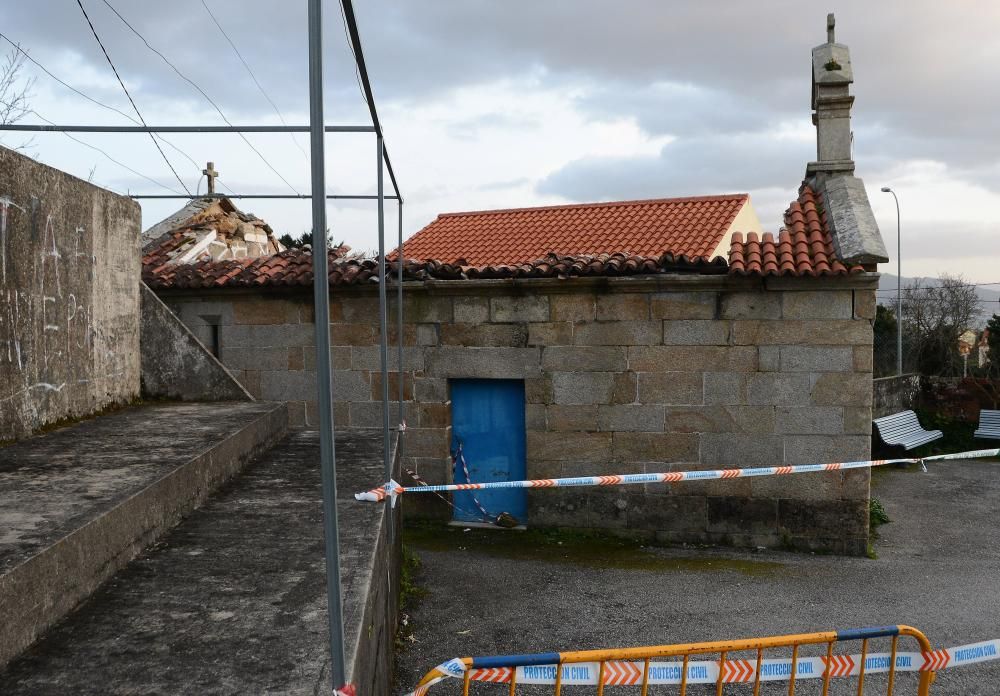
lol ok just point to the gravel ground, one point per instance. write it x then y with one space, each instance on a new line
937 570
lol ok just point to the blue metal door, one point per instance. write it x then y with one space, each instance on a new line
487 418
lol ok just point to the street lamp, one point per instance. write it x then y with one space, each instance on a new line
899 287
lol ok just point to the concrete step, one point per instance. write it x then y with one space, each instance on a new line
233 599
77 504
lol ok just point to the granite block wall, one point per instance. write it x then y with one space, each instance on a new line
621 375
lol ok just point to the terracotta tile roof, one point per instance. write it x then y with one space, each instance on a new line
293 268
804 246
692 227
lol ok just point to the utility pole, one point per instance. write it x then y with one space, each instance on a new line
899 286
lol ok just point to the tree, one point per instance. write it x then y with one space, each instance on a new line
934 317
305 239
15 91
884 341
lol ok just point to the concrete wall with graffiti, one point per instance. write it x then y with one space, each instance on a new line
69 297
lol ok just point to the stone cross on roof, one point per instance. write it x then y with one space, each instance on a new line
831 22
211 174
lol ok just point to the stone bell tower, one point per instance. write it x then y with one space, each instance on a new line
831 103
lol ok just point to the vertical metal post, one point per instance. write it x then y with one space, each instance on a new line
899 290
383 317
324 385
399 318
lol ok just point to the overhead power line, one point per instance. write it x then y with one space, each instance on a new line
253 77
120 164
359 58
91 99
200 90
132 101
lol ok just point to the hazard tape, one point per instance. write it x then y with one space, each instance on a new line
628 673
392 490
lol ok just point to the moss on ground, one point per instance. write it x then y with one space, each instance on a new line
587 549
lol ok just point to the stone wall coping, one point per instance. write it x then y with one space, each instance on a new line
651 283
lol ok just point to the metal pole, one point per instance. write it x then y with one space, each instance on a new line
268 196
899 285
321 300
399 317
383 317
35 128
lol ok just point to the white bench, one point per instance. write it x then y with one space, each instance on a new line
904 429
989 424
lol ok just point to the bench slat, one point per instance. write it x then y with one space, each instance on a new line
904 429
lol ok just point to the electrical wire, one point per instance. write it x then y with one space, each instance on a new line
253 77
112 159
200 90
132 101
92 99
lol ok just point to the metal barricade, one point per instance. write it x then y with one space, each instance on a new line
635 666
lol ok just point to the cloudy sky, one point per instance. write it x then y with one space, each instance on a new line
503 103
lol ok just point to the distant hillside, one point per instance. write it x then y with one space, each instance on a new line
989 295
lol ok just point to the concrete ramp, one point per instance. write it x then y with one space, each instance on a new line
77 504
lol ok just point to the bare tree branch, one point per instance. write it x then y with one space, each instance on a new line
15 91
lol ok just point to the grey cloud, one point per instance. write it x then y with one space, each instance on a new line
687 166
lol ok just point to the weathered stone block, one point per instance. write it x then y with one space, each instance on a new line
576 446
472 310
810 420
623 306
370 358
836 525
278 335
751 305
578 508
573 307
817 358
422 308
825 449
738 450
433 415
834 332
668 512
720 419
538 390
670 388
363 309
296 360
265 310
741 515
350 385
818 304
769 358
519 308
856 484
427 442
864 304
863 359
376 386
631 418
584 358
282 385
340 357
683 305
562 418
857 420
726 387
583 387
368 414
430 389
550 333
818 486
692 358
695 332
490 335
626 388
779 389
487 363
618 333
427 335
534 417
632 447
349 334
842 389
